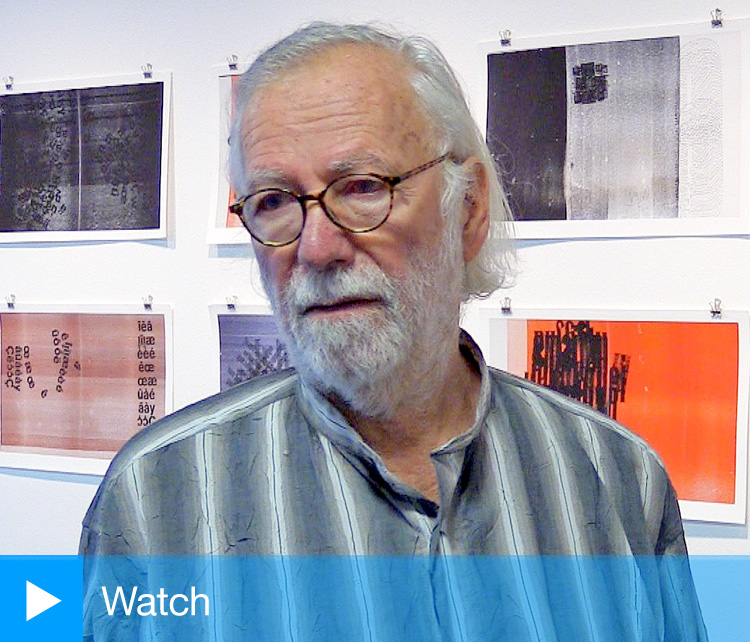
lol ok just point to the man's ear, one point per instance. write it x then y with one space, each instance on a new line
475 216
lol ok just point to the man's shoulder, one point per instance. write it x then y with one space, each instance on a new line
554 411
157 461
217 410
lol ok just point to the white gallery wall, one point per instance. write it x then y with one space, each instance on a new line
40 513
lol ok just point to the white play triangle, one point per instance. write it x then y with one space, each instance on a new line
37 600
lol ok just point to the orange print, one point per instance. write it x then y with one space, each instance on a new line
679 392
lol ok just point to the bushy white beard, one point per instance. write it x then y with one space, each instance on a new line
360 358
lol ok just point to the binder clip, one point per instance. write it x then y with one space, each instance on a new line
505 37
505 306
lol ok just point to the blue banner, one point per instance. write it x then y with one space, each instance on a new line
230 598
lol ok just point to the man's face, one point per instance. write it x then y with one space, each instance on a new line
347 301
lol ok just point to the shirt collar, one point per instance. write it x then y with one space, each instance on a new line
325 418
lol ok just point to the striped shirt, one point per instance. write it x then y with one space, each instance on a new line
272 468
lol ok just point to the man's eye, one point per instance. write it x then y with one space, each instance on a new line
270 201
362 186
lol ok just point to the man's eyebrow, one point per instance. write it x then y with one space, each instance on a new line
256 179
364 162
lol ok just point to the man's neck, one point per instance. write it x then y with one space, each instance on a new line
419 425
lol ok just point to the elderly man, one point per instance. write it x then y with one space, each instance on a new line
375 211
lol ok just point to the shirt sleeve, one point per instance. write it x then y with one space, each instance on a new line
683 620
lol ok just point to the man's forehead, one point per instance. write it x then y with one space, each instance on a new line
349 92
362 70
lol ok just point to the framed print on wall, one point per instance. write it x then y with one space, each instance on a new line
84 160
623 134
678 379
250 344
225 228
79 381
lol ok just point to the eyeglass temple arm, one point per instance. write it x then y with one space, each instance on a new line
395 180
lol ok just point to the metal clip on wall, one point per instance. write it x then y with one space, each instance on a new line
505 37
505 306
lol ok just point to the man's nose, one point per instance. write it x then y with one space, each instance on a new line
322 242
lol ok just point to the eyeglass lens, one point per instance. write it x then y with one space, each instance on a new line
357 203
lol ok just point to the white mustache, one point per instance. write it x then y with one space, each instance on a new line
307 289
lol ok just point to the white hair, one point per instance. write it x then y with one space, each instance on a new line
439 93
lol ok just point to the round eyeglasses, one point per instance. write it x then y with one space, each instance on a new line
355 202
